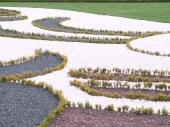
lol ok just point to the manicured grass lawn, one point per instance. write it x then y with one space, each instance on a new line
147 11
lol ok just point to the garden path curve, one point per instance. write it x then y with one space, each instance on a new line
85 54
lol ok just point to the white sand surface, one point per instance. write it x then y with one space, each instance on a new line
158 43
85 54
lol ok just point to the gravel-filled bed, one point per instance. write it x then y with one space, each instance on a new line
24 106
54 23
12 18
124 91
39 63
77 117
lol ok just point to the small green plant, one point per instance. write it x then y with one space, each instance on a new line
109 108
125 108
88 105
165 112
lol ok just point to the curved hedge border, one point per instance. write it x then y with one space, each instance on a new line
118 84
70 29
52 114
16 34
121 74
7 12
130 95
156 53
46 70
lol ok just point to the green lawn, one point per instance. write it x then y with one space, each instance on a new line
147 11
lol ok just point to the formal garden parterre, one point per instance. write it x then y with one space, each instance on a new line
116 83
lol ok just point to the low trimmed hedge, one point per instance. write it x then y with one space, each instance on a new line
130 95
7 12
16 34
117 74
156 53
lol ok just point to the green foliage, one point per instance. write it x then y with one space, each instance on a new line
92 91
17 34
125 108
88 105
80 105
109 108
165 112
117 74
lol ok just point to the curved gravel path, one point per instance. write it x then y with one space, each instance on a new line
158 43
85 55
24 106
39 63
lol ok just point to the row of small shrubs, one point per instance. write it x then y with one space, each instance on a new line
121 75
52 114
70 29
156 53
7 12
119 84
38 52
16 34
127 71
128 94
136 78
124 108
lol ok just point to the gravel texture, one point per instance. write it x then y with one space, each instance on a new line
76 117
39 63
24 106
12 18
3 31
54 23
125 91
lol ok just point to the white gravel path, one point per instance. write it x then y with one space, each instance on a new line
34 14
85 54
158 43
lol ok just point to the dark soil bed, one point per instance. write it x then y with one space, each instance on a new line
39 63
24 106
76 117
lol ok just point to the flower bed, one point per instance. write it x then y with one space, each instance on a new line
12 18
7 12
121 74
16 34
26 103
55 24
122 93
39 64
